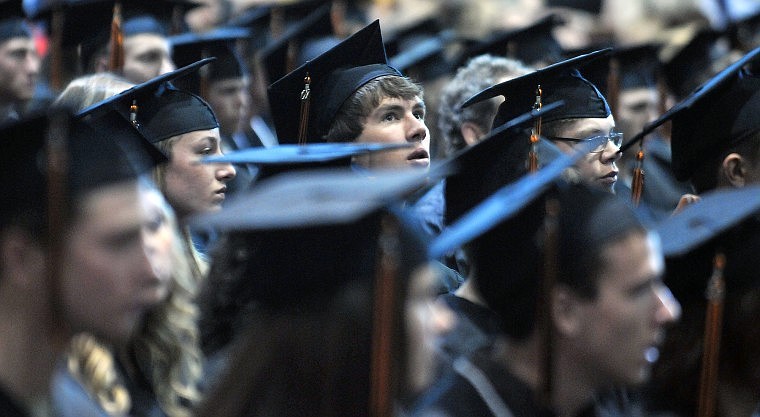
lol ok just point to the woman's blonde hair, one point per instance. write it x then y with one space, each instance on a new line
166 349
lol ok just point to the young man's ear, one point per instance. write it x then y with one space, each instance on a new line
567 311
22 259
471 133
734 170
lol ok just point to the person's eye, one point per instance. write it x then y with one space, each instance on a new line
206 151
419 115
389 117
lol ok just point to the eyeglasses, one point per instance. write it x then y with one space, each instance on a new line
615 137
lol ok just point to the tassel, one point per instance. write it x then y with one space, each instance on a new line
116 59
637 184
543 309
535 134
708 379
305 101
383 328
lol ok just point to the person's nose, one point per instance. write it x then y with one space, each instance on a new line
668 308
33 64
416 129
225 172
611 153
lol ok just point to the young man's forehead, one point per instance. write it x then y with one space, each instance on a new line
587 127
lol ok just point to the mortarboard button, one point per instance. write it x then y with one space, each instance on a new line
560 81
333 77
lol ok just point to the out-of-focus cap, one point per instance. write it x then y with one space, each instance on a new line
219 43
334 76
12 21
637 67
560 81
158 109
533 45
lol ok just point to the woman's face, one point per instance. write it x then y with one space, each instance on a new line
192 187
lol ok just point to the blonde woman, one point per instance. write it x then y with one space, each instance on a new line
159 370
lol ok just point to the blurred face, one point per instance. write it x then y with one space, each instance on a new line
157 232
427 319
146 56
397 120
230 101
19 68
622 328
636 108
598 168
107 280
192 187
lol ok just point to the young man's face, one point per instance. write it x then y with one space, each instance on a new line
146 56
19 68
192 187
623 326
230 100
397 120
107 281
597 168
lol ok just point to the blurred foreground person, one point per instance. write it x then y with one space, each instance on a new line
19 62
72 260
313 276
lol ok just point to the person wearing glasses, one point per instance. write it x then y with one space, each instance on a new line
584 116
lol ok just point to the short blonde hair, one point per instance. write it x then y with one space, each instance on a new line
87 90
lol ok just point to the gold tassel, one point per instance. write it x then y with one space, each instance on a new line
133 114
637 184
305 101
708 379
116 59
535 134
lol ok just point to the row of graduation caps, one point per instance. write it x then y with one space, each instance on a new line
338 199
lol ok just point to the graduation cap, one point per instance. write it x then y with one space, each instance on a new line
425 60
533 45
220 43
590 6
711 247
628 67
497 159
256 19
560 81
713 118
284 53
97 155
326 82
285 158
692 64
159 110
12 21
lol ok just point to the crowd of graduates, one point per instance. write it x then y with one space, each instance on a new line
379 208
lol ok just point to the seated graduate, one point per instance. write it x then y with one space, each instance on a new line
708 363
575 281
312 280
351 94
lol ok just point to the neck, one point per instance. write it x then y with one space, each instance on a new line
570 393
27 352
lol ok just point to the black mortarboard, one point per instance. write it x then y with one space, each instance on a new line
560 81
256 19
218 43
745 32
635 66
426 59
532 45
334 76
715 117
406 37
497 159
283 54
715 212
276 159
487 211
158 109
98 154
590 6
693 63
12 24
